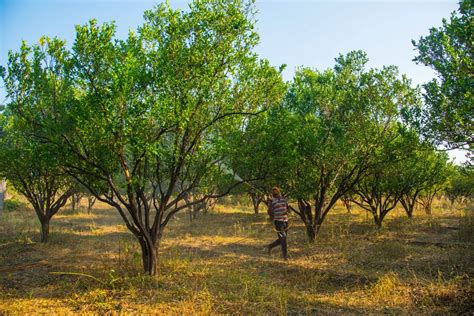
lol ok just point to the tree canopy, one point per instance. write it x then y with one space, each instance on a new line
448 116
143 118
324 137
183 110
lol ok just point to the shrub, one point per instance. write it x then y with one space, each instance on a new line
13 205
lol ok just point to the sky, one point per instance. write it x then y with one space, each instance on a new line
295 33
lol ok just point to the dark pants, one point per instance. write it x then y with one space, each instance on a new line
281 228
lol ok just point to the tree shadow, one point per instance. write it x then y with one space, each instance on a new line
224 244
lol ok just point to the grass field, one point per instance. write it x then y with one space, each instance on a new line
218 265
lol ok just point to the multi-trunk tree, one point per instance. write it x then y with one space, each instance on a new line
405 171
144 120
347 200
91 199
329 128
80 192
382 188
33 169
32 165
424 173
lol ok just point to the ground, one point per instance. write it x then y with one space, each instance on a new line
218 265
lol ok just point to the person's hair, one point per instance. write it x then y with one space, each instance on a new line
276 191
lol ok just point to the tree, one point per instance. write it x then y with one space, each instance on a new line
347 201
449 98
91 199
424 170
205 204
254 156
256 198
332 123
34 171
383 187
426 198
148 113
31 165
80 192
461 185
76 198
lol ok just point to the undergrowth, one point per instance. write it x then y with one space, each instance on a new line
217 264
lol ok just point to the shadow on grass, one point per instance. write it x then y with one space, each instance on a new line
224 255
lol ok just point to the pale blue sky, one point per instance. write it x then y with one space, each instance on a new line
296 33
310 33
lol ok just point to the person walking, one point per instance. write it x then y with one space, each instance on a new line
278 210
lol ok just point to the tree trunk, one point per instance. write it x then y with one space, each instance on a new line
255 207
408 207
347 204
76 200
192 209
318 227
307 218
311 233
256 200
44 230
427 207
377 218
427 202
210 204
378 221
90 203
149 256
318 217
3 189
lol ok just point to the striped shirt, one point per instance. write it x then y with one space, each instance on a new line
279 208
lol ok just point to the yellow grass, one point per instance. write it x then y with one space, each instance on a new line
217 265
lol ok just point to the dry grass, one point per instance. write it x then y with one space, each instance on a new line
218 265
